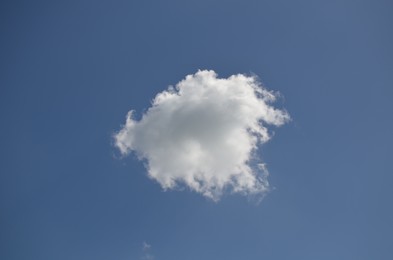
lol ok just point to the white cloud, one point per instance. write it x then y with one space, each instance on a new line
203 133
145 246
146 252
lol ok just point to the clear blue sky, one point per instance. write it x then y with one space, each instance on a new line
70 70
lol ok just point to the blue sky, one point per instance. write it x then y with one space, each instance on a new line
71 70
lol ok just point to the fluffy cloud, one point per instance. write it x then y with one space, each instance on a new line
203 133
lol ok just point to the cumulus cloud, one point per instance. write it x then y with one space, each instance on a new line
204 133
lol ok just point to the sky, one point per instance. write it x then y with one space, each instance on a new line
73 187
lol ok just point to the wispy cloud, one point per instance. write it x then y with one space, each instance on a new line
146 248
203 133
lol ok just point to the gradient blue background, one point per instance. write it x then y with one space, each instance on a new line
70 71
